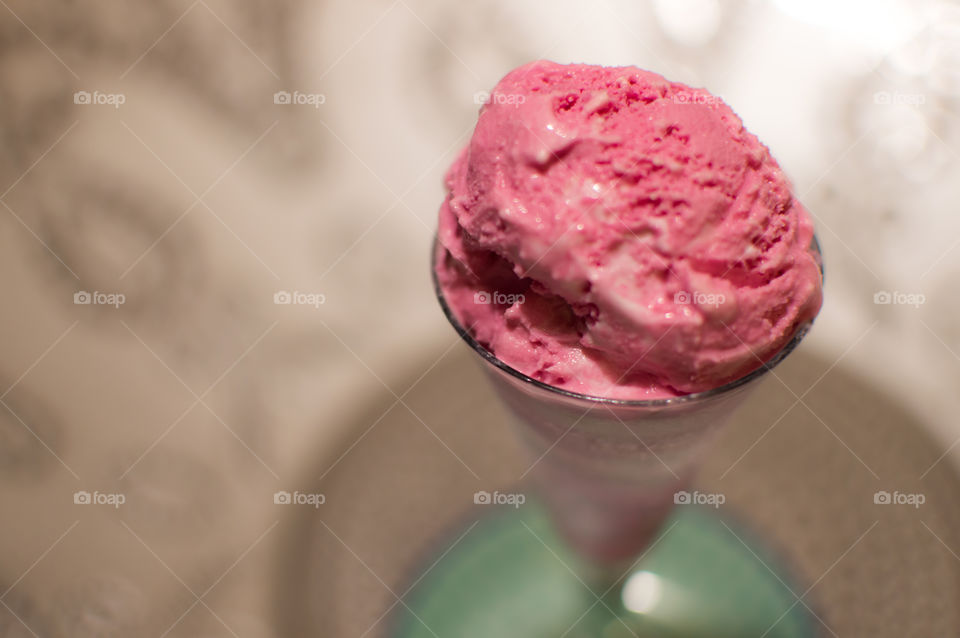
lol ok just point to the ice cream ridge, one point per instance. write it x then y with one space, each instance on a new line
615 234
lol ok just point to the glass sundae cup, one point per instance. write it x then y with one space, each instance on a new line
597 555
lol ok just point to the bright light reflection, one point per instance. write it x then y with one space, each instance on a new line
879 25
641 592
689 22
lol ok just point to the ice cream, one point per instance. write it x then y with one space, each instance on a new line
615 234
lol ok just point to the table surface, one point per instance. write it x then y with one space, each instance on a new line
151 161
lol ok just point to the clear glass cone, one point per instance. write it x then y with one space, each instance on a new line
611 470
608 473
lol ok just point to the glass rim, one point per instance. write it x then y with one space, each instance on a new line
799 333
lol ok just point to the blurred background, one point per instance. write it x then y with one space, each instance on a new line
216 219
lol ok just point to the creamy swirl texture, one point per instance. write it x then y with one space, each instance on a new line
616 234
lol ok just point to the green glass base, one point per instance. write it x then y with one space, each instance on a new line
510 577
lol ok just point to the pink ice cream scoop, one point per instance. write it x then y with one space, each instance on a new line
619 235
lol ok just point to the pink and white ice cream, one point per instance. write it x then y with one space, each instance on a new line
615 234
